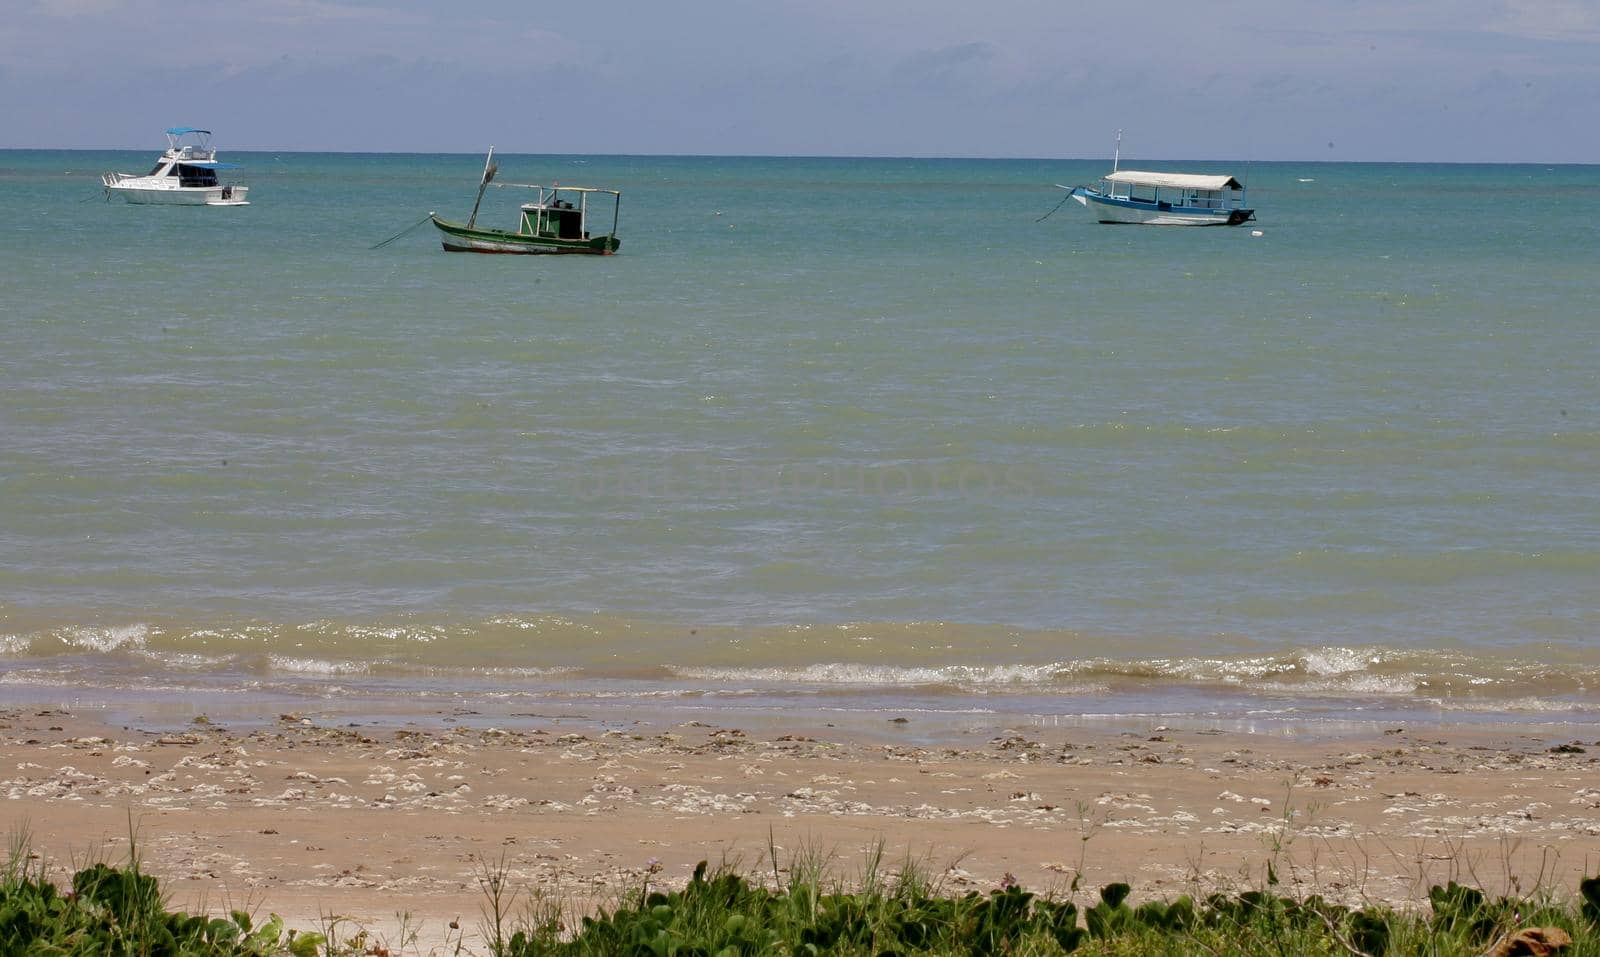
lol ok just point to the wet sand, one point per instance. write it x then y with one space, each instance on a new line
311 819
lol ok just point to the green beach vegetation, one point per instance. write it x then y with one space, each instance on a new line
725 912
107 910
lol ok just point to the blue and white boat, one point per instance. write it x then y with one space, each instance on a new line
1164 199
185 175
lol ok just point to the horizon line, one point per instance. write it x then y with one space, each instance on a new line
816 156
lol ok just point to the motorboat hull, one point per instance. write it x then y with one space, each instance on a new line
457 238
1107 209
180 195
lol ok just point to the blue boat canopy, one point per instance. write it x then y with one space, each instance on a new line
180 130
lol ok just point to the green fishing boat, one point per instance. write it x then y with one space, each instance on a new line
556 221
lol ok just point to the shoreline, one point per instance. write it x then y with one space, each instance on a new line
151 696
310 818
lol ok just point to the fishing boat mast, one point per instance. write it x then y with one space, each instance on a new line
489 169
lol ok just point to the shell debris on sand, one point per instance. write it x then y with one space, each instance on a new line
309 819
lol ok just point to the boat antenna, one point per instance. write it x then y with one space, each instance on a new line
1116 157
490 167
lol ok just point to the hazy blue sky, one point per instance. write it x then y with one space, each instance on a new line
1468 80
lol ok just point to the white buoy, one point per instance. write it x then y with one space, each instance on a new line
1256 232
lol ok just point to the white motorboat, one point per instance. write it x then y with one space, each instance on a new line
185 175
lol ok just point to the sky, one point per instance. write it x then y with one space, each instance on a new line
1337 80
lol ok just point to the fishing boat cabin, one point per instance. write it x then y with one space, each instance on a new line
553 218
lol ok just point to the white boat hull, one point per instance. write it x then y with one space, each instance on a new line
1108 210
181 195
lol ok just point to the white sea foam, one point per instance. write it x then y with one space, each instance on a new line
553 671
317 666
541 623
190 661
1359 685
1336 661
106 638
1530 705
873 675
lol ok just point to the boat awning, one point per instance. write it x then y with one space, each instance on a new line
1174 180
180 130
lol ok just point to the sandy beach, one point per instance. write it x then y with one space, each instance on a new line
311 820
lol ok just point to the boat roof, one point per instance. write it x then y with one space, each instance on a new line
560 189
1175 180
181 130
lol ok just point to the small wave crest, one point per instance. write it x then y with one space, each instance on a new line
974 677
76 640
285 664
1332 671
108 638
601 654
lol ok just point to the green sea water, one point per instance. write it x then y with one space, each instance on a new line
856 434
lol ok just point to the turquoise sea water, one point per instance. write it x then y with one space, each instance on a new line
841 434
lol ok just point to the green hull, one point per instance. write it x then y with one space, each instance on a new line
457 238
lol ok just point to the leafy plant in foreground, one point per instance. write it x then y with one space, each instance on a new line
111 910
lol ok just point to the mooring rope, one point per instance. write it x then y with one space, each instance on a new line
1056 207
403 231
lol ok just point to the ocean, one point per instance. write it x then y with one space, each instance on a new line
854 439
